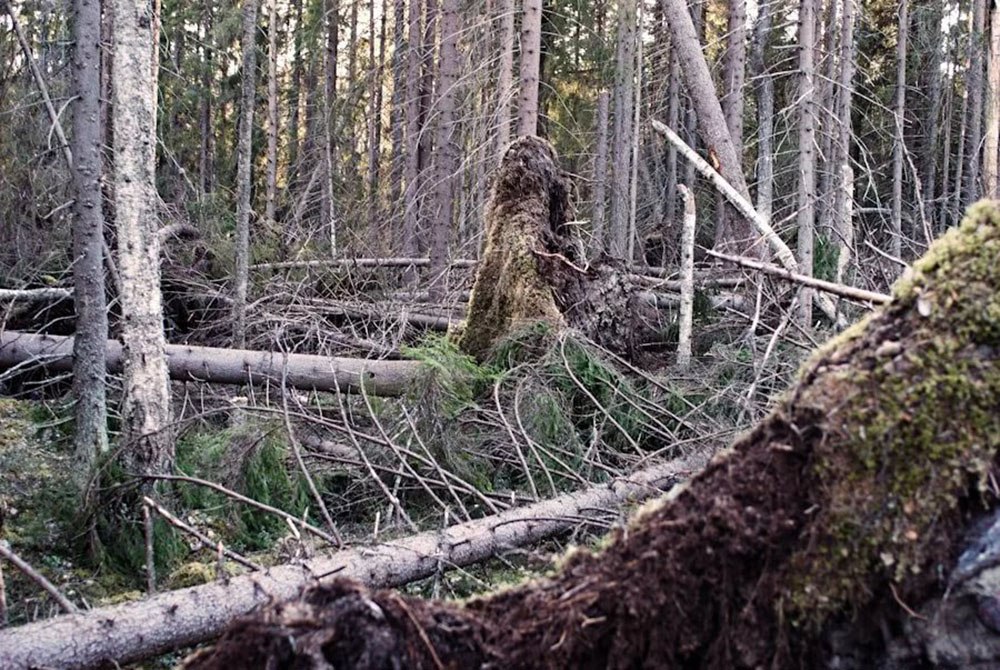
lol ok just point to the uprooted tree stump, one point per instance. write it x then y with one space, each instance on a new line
811 543
534 268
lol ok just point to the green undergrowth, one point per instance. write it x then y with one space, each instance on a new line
545 411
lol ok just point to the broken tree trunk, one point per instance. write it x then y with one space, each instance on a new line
802 547
133 631
227 366
534 267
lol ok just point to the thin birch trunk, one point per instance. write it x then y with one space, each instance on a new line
687 278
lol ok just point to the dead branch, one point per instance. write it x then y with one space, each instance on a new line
35 294
37 577
850 292
133 631
228 366
205 541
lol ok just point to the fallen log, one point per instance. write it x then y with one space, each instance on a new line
227 366
133 631
35 294
812 543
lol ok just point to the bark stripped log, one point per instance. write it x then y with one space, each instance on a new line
228 366
138 630
804 546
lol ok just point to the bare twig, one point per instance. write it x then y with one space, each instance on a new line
147 523
206 542
318 532
37 577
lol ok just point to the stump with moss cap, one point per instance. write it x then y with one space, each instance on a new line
810 543
533 267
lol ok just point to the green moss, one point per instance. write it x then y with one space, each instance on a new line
910 427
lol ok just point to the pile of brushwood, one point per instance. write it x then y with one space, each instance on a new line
851 528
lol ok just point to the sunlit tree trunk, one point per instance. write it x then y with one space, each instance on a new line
991 147
146 435
807 154
531 51
844 197
764 91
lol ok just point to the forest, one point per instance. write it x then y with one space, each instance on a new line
494 334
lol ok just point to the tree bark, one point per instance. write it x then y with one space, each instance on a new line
991 147
139 630
226 366
244 161
899 144
90 437
146 402
764 91
446 147
598 224
807 544
505 77
686 313
621 141
974 83
806 197
271 187
531 53
733 76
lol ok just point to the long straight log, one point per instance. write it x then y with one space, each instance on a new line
133 631
227 366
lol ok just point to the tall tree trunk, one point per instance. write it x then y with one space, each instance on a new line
974 82
446 146
711 121
733 69
991 147
294 99
328 207
397 113
244 161
600 176
90 435
621 141
505 78
826 172
899 146
670 197
764 91
206 158
931 41
845 185
271 192
411 170
146 401
807 154
531 52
